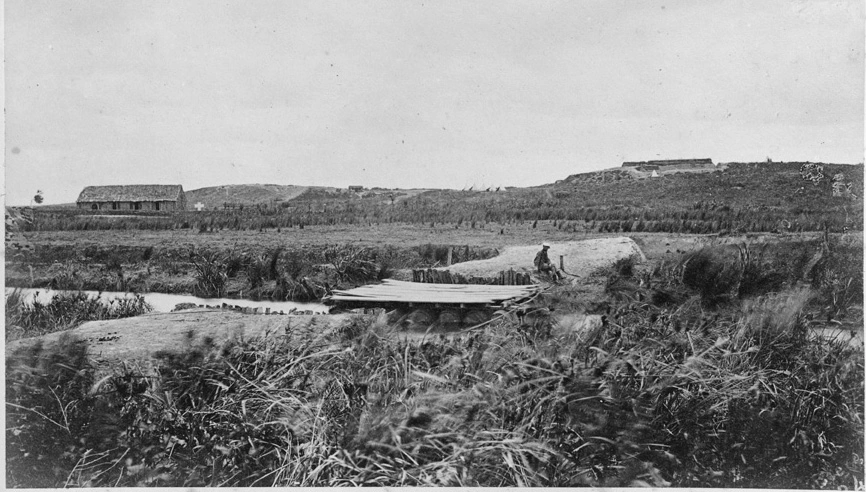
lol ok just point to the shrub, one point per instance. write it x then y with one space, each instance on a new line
759 276
351 263
210 273
297 263
838 279
433 253
234 263
257 270
624 267
711 274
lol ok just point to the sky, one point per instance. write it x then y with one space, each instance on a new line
417 94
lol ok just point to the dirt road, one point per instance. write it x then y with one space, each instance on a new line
580 257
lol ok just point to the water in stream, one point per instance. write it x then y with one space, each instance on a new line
164 303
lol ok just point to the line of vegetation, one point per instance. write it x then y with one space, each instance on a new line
582 218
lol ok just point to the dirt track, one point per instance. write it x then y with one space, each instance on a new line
141 336
580 257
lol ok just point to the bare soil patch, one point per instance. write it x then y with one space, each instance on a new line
142 336
580 257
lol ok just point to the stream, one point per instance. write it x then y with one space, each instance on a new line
164 303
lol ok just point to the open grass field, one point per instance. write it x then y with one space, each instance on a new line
396 234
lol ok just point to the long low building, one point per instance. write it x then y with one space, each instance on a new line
670 164
132 197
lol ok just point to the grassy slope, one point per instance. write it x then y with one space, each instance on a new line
248 194
741 196
252 194
740 185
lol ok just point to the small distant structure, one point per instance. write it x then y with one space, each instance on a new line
843 188
670 164
199 206
655 174
132 197
356 188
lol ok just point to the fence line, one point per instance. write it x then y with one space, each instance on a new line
505 277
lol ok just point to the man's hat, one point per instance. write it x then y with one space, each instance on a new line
545 245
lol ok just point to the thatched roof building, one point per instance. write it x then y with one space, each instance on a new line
132 197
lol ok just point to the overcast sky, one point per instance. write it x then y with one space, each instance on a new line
418 93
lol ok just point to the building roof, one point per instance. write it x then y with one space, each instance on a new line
131 193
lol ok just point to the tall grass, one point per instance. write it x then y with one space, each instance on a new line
65 310
654 397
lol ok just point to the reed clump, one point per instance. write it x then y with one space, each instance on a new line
65 310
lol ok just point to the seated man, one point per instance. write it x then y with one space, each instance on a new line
543 264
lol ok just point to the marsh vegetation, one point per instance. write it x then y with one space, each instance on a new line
709 377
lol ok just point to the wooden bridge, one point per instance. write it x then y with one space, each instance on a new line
397 294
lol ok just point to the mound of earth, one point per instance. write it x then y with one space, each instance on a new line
580 257
141 336
215 197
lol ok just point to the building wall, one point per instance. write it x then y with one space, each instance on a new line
672 164
674 167
127 206
690 165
